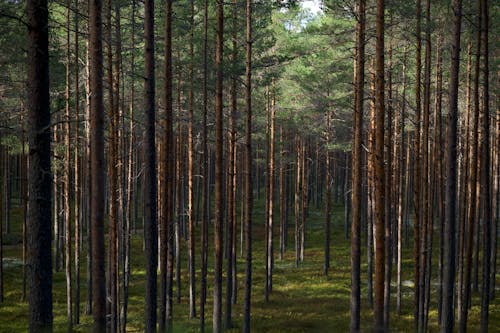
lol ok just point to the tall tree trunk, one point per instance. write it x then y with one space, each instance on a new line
400 173
417 169
379 171
113 177
190 211
270 196
326 264
389 191
67 177
77 180
463 196
357 168
484 169
248 168
219 170
40 175
450 185
425 203
472 189
230 175
206 202
97 168
167 236
150 184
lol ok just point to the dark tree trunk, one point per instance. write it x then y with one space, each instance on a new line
206 202
484 169
450 185
248 168
379 171
40 175
150 182
219 171
97 168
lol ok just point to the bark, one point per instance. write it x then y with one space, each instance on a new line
166 230
484 169
206 202
425 203
219 171
400 173
379 171
270 195
463 307
417 170
326 264
357 169
113 178
190 211
97 168
149 165
450 184
77 180
389 191
248 168
40 175
67 178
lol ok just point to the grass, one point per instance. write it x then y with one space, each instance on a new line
303 299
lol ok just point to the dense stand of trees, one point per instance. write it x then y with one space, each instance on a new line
296 111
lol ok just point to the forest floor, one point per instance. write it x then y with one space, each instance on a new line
302 300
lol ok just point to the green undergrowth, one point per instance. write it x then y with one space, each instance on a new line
303 298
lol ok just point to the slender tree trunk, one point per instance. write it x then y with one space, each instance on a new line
166 231
484 169
206 203
463 196
400 173
219 171
472 188
97 168
297 201
326 265
357 169
67 178
417 170
230 175
388 193
113 178
270 196
190 211
379 171
248 168
77 180
425 203
451 164
150 183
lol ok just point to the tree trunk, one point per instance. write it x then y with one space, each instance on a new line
450 186
379 224
67 178
417 170
206 202
97 169
219 171
472 188
484 169
357 169
248 168
150 183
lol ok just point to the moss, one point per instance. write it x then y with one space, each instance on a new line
303 299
